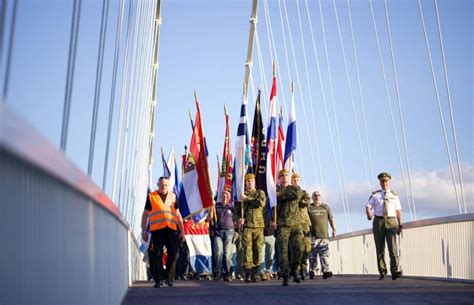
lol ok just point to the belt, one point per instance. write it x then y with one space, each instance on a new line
381 217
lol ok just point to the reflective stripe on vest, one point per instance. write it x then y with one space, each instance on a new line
163 214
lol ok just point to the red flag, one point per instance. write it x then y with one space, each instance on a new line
280 146
225 183
198 150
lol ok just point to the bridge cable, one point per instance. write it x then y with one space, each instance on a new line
340 172
389 102
11 42
98 83
310 94
360 91
123 88
352 97
73 37
400 112
118 38
453 127
440 110
324 98
298 81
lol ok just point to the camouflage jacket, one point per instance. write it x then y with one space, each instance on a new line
253 209
303 204
288 211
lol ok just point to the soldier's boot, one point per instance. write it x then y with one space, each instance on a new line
296 279
248 277
396 275
285 280
302 274
327 275
311 275
255 278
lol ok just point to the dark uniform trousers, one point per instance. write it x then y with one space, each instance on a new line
168 238
386 230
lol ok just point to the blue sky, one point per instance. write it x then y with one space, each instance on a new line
203 47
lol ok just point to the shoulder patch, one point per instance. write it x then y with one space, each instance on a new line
373 193
394 193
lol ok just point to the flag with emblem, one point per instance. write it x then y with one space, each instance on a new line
272 146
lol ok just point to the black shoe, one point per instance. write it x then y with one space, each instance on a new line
248 278
327 275
302 275
296 279
396 275
159 284
169 283
382 276
217 277
255 278
285 281
311 275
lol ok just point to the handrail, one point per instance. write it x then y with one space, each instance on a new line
414 224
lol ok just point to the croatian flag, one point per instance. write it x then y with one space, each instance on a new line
272 148
290 146
242 152
199 245
173 172
195 191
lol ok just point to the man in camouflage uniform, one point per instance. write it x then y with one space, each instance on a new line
252 219
305 225
290 233
320 214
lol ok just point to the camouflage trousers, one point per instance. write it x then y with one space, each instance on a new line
305 250
319 247
289 239
253 240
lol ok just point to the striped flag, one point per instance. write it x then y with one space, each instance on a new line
290 145
225 178
272 148
242 152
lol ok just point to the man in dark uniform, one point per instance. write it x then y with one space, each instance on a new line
166 226
385 208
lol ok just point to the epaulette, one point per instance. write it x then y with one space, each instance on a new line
373 193
394 193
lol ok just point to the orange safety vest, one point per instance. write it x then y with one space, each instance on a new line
163 214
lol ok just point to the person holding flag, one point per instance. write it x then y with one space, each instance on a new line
289 231
251 218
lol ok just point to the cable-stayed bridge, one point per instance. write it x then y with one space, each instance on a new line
81 118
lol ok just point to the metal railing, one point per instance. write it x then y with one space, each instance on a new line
440 248
63 240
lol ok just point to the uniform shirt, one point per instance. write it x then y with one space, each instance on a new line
319 216
376 203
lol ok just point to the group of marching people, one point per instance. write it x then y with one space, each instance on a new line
297 227
268 242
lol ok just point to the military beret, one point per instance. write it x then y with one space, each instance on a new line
249 176
295 175
282 172
384 176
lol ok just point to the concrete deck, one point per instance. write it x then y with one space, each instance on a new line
337 290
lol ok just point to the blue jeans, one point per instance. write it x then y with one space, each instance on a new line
268 252
223 251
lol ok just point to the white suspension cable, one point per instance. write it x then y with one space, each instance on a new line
122 104
344 57
318 69
319 179
339 171
453 127
389 101
440 110
261 66
118 38
298 80
400 112
360 93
